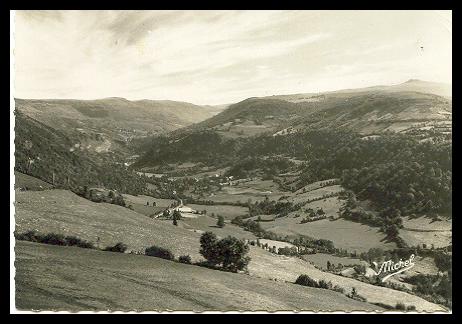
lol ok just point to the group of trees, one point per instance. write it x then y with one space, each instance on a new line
45 153
271 207
389 170
228 253
437 288
313 216
268 167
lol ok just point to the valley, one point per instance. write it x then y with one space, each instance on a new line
348 177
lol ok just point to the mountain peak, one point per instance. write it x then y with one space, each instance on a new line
413 81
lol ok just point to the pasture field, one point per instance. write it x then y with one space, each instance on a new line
63 212
438 239
320 260
427 224
138 204
264 218
301 197
424 230
142 199
330 206
280 267
255 190
277 244
24 180
84 279
344 233
208 224
228 212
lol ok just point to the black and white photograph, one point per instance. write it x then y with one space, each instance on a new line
225 161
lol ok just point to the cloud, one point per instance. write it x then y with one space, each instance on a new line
213 57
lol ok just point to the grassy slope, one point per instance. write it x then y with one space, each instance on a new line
23 180
423 230
228 212
64 212
146 115
93 280
207 223
345 234
368 111
267 265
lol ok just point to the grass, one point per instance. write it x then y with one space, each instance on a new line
301 197
277 244
63 212
423 230
320 260
256 190
23 180
345 234
228 212
146 210
438 239
132 282
268 265
207 223
142 199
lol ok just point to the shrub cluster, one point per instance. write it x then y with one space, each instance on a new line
54 239
159 252
305 280
119 247
185 259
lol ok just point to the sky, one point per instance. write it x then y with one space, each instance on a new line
220 57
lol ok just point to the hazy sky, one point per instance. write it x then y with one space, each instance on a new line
214 57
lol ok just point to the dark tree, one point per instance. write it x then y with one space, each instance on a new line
220 221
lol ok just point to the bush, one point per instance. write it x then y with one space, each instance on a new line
443 261
30 236
290 251
54 239
185 259
400 306
75 241
324 284
159 252
119 247
305 280
221 221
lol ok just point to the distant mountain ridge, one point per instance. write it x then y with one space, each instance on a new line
108 125
366 110
146 115
411 85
